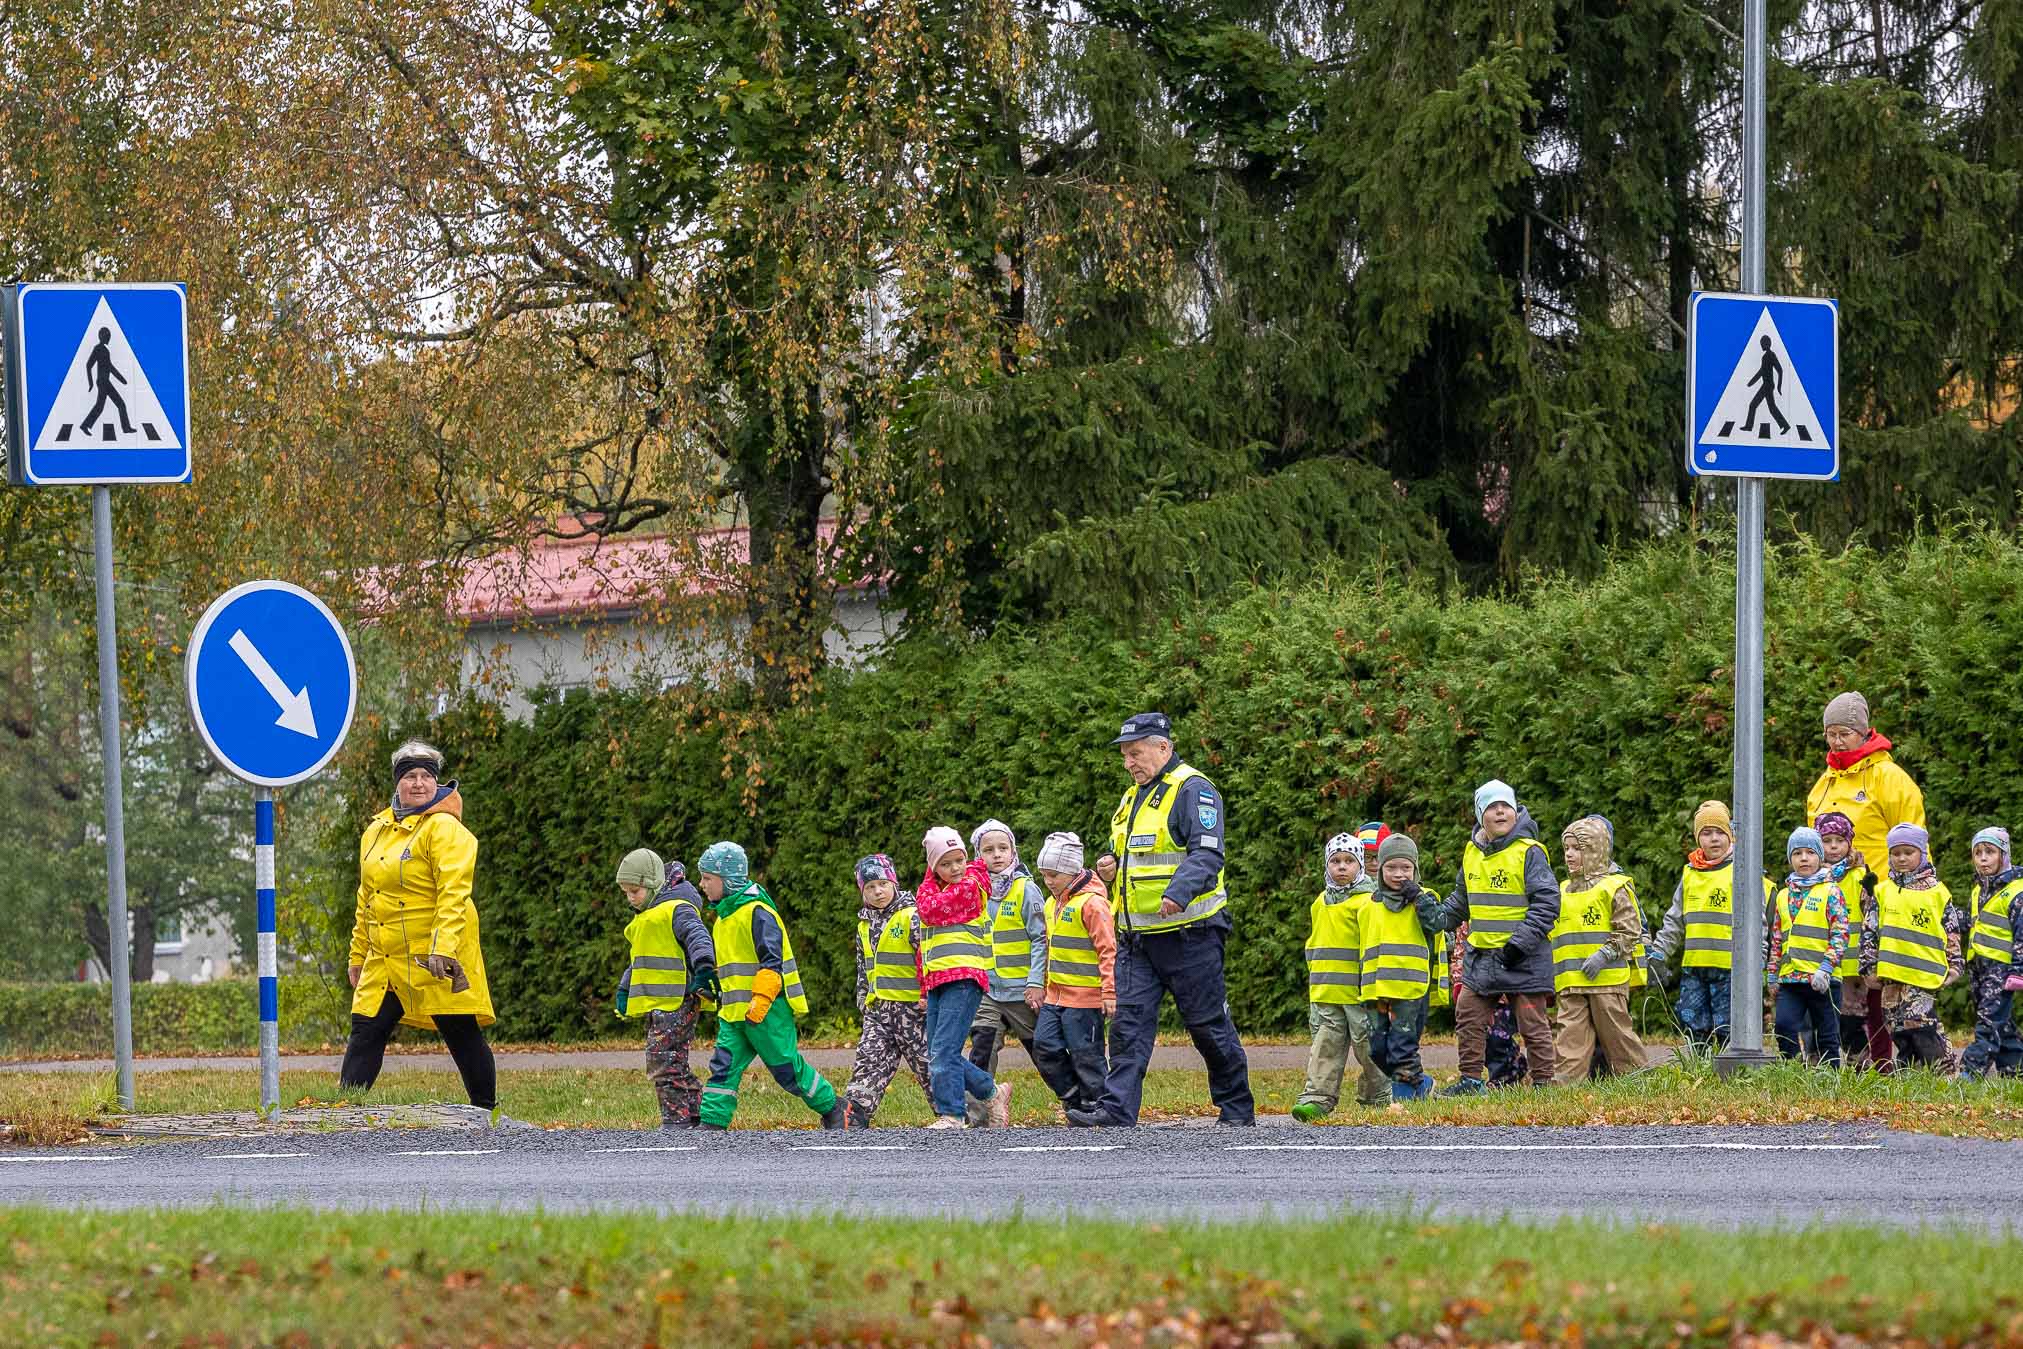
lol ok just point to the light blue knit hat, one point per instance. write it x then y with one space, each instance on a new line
1998 836
726 859
1491 792
1805 836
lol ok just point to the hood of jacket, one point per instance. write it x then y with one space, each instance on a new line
1526 827
752 893
448 801
680 889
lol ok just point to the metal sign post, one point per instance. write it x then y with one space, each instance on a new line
117 939
1745 1044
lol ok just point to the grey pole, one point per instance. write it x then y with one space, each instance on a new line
115 813
1745 1044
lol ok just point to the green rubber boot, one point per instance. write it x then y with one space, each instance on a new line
1307 1113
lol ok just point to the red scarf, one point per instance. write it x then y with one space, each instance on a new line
1842 760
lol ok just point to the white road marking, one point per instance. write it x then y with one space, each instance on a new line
687 1147
249 1156
80 1157
1067 1147
1554 1147
449 1152
847 1147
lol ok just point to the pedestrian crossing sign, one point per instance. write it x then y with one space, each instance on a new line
1763 386
98 384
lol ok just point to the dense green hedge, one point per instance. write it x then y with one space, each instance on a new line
40 1019
1314 708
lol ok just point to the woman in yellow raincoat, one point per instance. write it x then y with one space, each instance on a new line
414 945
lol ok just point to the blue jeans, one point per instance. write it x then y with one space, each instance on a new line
1068 1051
1703 1007
1800 1010
951 1010
1395 1044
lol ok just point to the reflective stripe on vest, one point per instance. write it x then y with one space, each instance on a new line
1582 929
738 964
1911 934
1333 961
1807 936
657 979
1397 959
1011 946
894 975
1993 939
1495 892
1072 961
1148 855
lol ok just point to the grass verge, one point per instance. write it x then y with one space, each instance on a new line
294 1278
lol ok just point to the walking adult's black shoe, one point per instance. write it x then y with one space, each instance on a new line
1090 1119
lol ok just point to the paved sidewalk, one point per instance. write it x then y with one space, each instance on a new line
1262 1057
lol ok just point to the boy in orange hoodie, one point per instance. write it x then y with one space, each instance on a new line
1081 989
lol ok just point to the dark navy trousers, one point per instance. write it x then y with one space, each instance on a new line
1188 964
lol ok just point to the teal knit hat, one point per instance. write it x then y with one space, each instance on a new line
726 859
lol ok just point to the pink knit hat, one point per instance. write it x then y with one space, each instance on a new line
940 840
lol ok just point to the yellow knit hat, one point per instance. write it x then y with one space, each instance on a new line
1713 815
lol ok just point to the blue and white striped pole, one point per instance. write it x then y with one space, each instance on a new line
270 982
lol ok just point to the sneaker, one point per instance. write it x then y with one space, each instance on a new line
1467 1086
1404 1091
949 1122
1000 1107
1425 1092
1307 1113
836 1117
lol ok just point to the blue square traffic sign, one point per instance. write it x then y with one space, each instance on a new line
1762 386
98 383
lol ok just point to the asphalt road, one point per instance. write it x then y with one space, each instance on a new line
1723 1177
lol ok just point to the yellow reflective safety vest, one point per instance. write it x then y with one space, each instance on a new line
1850 890
958 946
1148 856
895 977
1911 934
1495 891
1072 961
657 979
1011 946
1398 961
1707 901
1993 939
1443 972
1583 929
737 963
1334 957
1808 935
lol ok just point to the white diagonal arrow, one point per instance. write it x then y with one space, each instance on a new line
295 713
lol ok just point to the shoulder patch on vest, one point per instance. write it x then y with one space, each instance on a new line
1208 812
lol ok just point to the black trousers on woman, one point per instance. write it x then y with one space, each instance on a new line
366 1052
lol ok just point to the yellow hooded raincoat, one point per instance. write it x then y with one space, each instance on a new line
414 899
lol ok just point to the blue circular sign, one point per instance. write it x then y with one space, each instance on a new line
272 683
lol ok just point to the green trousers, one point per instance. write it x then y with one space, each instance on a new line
773 1042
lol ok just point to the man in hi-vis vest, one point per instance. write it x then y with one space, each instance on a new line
1165 869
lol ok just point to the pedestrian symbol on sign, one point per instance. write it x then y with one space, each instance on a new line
1764 402
82 417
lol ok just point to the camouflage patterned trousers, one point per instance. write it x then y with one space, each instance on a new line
1996 1044
668 1035
894 1032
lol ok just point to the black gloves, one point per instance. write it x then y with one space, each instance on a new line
1411 891
704 982
1510 955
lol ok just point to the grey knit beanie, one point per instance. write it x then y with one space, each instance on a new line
1397 845
642 866
1849 710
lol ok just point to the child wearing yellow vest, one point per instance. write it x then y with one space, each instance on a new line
1807 941
1699 929
1081 976
672 975
1596 946
1334 986
955 970
1015 914
893 1017
1405 967
758 994
1997 883
1911 940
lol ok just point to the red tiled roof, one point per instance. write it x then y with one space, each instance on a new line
594 576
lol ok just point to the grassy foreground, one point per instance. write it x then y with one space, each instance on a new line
55 1107
290 1277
